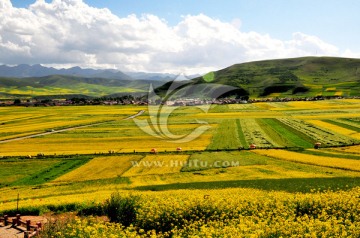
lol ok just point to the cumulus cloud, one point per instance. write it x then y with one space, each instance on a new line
70 32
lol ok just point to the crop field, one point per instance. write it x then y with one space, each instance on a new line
208 160
255 134
350 149
22 121
14 169
320 134
215 185
331 162
225 136
336 126
104 131
100 168
157 164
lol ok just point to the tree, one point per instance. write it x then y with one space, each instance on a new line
17 101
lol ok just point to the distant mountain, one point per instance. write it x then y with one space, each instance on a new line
37 70
295 77
158 76
59 86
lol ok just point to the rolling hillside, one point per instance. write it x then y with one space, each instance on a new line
296 77
61 85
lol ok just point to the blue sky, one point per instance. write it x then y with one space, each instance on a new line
323 22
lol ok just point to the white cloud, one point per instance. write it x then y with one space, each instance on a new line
70 32
236 22
349 54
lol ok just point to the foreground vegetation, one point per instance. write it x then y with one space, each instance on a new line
216 186
221 213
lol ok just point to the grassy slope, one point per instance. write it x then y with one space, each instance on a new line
322 75
67 85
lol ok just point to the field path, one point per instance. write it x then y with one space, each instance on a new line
9 232
135 115
67 129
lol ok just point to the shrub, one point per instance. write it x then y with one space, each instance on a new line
93 209
122 209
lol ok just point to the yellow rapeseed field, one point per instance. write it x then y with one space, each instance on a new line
101 168
339 93
326 104
64 143
349 149
335 128
334 115
231 213
312 159
246 106
235 115
157 164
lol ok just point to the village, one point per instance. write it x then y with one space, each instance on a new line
131 100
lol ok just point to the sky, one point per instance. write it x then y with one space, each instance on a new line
177 36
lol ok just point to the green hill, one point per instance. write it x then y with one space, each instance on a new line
59 86
295 77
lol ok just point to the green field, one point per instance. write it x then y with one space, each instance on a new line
78 169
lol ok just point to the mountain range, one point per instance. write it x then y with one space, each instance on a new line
37 70
26 81
295 77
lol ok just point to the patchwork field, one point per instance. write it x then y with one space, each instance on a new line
252 152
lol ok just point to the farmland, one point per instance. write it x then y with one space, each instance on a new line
79 156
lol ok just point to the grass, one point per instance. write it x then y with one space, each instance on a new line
15 169
241 135
287 134
279 140
209 77
225 136
318 133
52 172
255 134
317 73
